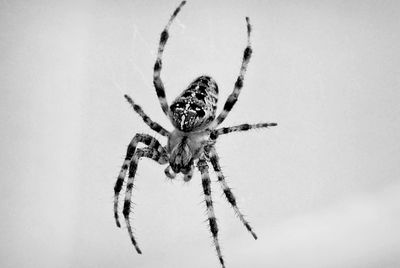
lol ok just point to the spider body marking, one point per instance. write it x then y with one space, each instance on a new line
191 143
195 108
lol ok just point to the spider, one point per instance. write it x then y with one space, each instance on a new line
191 143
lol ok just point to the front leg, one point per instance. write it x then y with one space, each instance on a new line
149 141
158 83
233 97
152 124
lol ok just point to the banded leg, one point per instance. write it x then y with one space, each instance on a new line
149 141
153 125
243 127
145 152
230 102
158 84
206 182
214 159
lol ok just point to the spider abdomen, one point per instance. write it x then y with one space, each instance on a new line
195 107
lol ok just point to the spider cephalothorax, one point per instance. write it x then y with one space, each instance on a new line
192 141
184 148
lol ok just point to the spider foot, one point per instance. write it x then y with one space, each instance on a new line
221 260
133 240
251 231
117 220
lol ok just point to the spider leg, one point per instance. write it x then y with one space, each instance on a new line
233 97
153 125
139 153
242 127
214 159
149 141
206 182
158 84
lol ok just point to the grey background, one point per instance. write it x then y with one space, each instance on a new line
321 190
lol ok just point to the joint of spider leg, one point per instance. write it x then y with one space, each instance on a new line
245 127
206 187
213 226
229 196
247 53
214 135
157 66
209 203
230 103
118 185
164 37
132 170
239 83
127 208
129 186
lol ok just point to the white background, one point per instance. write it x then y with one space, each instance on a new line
321 190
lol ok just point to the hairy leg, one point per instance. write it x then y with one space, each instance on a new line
242 127
214 159
153 125
149 141
206 182
158 84
233 97
139 153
